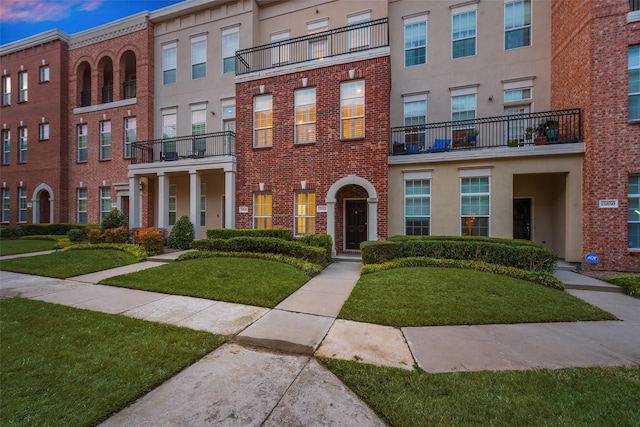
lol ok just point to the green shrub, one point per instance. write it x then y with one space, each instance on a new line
10 233
321 241
15 232
377 252
76 235
630 283
95 236
181 234
133 250
150 238
229 233
512 242
113 219
116 235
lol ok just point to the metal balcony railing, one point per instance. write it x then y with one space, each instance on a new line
184 148
549 127
85 98
340 41
634 5
107 94
129 89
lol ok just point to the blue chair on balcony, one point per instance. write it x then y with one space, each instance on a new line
440 146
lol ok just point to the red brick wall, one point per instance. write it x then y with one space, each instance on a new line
284 165
589 70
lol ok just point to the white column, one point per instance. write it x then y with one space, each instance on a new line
135 205
194 202
373 219
230 199
331 223
163 201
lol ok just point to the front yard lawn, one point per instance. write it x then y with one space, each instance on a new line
14 247
422 296
239 280
65 366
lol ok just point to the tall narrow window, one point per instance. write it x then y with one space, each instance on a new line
229 125
199 57
415 117
360 34
83 143
263 121
203 204
634 211
44 131
352 109
130 135
6 90
22 204
82 206
517 24
305 213
6 146
415 41
173 204
22 134
262 210
169 131
199 127
44 74
230 44
105 140
634 83
280 50
319 45
463 107
474 206
417 206
305 110
23 83
6 206
463 36
169 63
105 202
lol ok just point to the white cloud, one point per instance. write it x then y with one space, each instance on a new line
29 11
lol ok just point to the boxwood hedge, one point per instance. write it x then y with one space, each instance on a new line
229 233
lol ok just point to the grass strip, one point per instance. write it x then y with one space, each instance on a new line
15 247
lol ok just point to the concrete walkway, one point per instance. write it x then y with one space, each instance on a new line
268 375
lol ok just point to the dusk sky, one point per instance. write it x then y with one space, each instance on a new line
24 18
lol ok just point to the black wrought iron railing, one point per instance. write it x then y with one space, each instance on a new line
549 127
129 89
85 98
354 38
107 94
184 148
634 5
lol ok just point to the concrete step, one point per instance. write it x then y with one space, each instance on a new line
581 282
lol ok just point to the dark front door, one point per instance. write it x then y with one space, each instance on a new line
522 219
45 207
355 223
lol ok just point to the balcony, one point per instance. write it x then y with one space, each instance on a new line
85 98
314 47
107 94
550 127
634 5
184 148
129 89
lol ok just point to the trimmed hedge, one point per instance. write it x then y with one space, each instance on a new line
264 245
17 231
321 241
511 242
230 233
492 251
630 283
134 250
537 277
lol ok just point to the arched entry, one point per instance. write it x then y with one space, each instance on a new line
349 212
42 204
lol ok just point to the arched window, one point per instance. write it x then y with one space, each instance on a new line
84 84
128 64
105 79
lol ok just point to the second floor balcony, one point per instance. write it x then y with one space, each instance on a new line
184 148
521 130
314 47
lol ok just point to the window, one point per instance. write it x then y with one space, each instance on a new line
359 36
415 114
199 127
280 52
517 24
415 41
263 121
44 131
474 206
6 90
22 204
463 34
169 63
198 57
305 213
5 205
634 83
23 83
82 205
229 125
22 134
83 143
417 206
262 210
173 204
203 205
44 73
305 111
6 146
463 107
105 202
634 211
105 140
318 46
230 44
352 109
517 95
129 136
169 130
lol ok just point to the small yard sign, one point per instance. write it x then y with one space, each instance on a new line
591 258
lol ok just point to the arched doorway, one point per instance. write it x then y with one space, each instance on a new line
42 205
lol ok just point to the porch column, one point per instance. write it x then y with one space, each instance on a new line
194 202
134 202
372 225
163 201
230 199
331 223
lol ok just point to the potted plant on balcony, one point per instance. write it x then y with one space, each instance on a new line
512 143
472 136
528 132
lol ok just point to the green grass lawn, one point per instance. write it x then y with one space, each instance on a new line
564 397
65 366
14 247
423 296
240 280
65 264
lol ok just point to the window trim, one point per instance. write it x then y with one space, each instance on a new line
6 90
408 22
354 118
47 73
268 218
310 124
43 136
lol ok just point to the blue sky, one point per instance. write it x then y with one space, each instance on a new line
24 18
